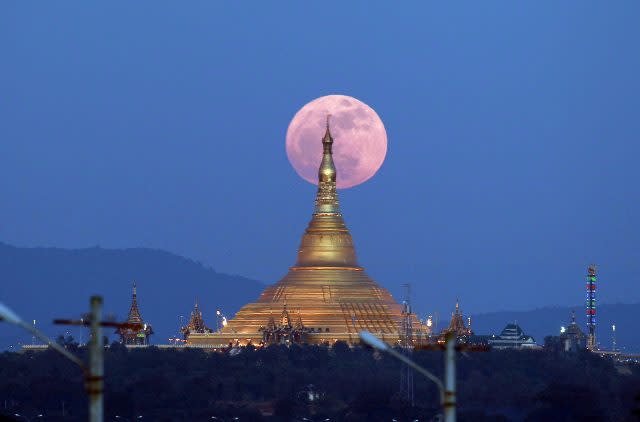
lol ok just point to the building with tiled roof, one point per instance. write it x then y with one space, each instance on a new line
513 337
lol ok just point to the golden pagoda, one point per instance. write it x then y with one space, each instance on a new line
135 336
332 296
196 323
457 327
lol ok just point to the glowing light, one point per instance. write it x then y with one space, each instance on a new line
224 321
562 329
613 327
218 312
429 321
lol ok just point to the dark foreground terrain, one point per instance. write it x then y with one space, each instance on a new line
319 383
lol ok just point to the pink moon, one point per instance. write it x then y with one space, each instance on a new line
359 139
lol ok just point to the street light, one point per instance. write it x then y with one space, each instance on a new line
93 372
376 343
447 397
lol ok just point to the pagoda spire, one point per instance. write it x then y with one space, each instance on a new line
327 196
132 335
134 312
327 241
299 325
196 322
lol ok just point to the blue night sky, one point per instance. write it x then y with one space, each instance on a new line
513 138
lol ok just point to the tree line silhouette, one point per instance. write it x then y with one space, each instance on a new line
318 382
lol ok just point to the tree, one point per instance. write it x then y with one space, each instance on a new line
636 408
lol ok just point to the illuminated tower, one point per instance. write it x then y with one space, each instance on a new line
331 292
591 307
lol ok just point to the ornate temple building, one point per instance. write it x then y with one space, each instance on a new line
571 338
196 324
130 336
285 331
330 292
457 327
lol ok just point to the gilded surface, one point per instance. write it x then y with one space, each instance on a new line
328 290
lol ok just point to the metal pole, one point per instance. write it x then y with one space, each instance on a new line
95 378
450 379
418 368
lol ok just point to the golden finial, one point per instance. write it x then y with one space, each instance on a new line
328 139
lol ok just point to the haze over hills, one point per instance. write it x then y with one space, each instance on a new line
48 283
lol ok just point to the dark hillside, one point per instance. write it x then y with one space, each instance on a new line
45 283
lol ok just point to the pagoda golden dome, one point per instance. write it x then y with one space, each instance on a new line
327 290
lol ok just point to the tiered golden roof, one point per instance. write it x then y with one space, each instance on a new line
131 335
196 323
456 326
332 294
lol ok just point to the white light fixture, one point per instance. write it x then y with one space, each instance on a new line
8 315
373 341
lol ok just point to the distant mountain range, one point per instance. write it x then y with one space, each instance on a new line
48 283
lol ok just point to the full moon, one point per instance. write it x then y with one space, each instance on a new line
359 139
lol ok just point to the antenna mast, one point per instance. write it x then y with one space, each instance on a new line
591 307
406 343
